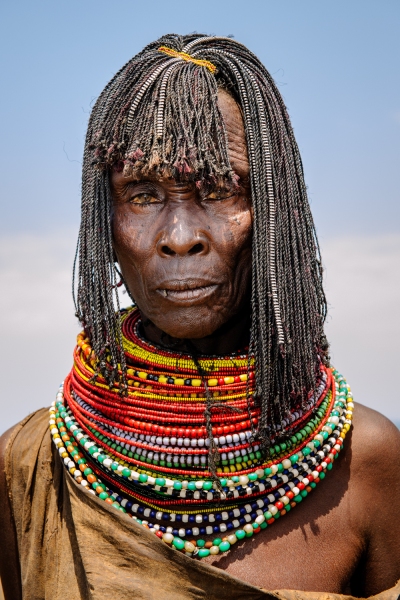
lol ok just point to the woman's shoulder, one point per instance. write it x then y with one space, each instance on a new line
9 560
375 449
4 440
20 445
374 437
375 494
19 448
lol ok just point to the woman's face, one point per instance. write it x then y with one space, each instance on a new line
186 257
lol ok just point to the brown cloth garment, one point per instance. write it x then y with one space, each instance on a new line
73 545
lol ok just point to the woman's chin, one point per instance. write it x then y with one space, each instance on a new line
188 331
188 323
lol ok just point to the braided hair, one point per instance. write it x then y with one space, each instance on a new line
159 115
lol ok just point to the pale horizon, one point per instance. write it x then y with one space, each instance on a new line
338 70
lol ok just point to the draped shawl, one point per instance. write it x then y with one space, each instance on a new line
73 545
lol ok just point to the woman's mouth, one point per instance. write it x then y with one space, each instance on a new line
186 291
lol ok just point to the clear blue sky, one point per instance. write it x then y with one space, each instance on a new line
337 65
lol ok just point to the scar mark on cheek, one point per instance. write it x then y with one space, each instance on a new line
229 237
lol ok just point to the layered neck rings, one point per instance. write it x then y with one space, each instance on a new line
147 452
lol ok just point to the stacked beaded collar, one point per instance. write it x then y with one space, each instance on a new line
146 453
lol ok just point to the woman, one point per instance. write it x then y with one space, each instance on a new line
194 426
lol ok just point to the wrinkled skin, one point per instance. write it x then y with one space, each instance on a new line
346 537
185 255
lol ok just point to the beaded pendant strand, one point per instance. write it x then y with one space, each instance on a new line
146 452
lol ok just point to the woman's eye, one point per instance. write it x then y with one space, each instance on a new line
143 199
219 195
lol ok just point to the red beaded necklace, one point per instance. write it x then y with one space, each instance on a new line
164 404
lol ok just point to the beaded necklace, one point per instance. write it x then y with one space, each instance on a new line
146 452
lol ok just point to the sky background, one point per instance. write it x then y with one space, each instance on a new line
337 66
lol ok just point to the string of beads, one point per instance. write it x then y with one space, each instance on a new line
146 452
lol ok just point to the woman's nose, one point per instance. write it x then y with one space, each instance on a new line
182 236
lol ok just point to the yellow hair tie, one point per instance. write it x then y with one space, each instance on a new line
202 63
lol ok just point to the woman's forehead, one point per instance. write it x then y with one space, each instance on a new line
233 120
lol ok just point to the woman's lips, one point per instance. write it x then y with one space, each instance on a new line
183 292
